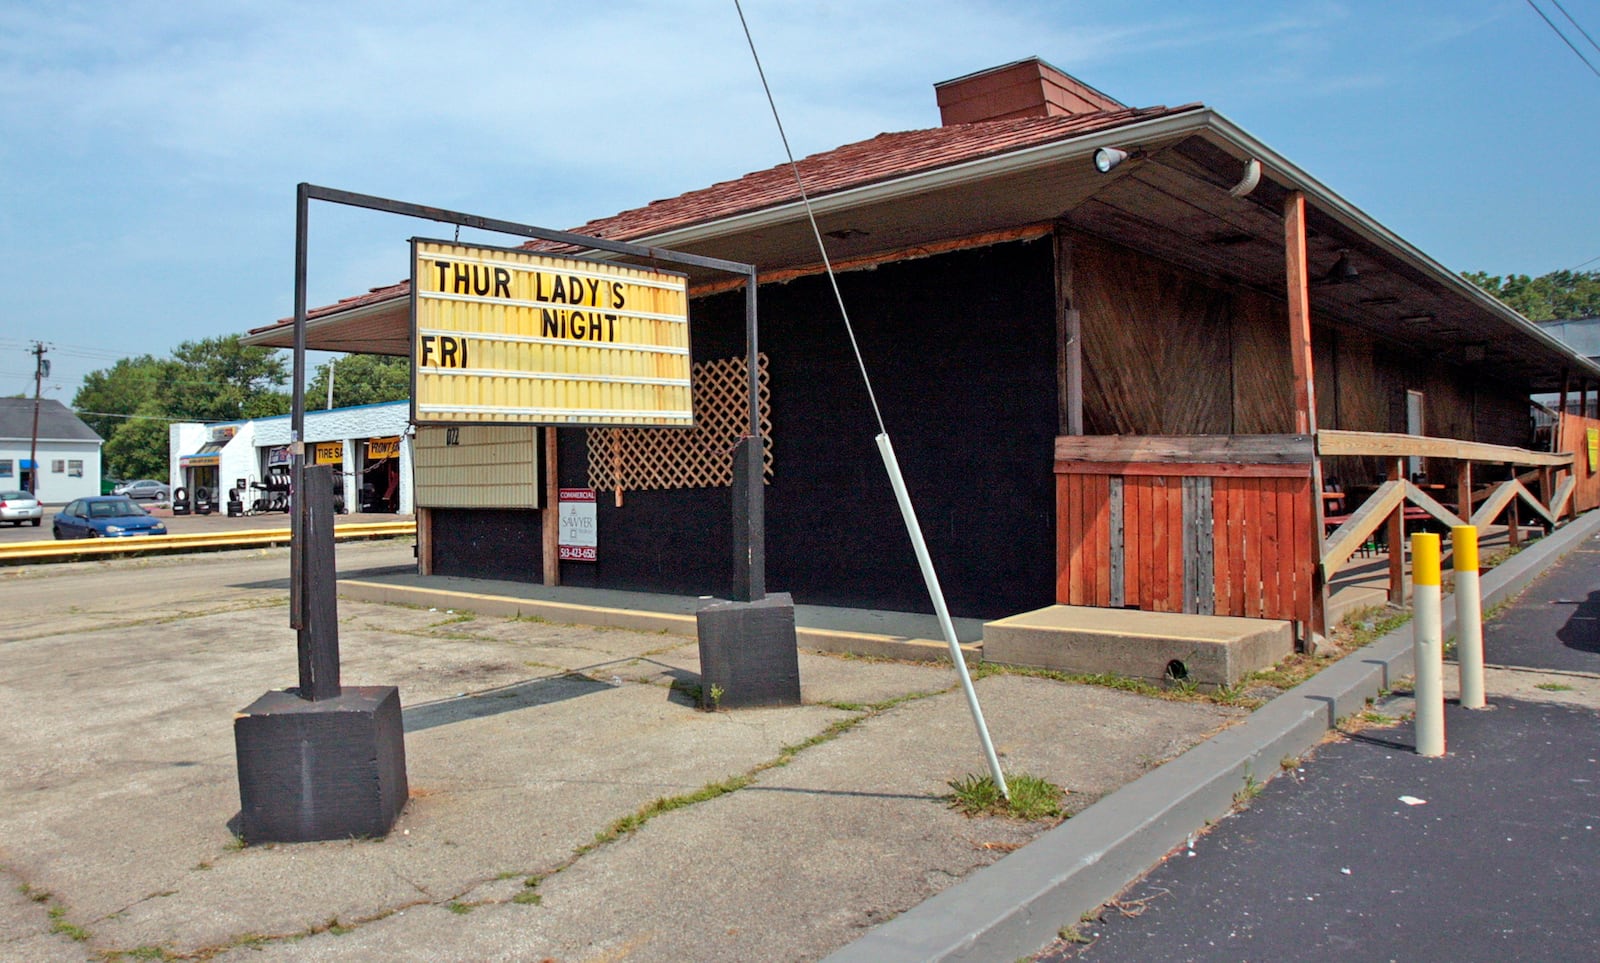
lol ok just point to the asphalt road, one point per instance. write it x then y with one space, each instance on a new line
1370 852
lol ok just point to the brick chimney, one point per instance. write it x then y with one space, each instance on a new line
1027 88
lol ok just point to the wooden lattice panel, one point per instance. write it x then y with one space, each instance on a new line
644 459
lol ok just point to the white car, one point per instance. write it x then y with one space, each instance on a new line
17 507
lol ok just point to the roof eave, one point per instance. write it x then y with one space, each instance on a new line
1391 243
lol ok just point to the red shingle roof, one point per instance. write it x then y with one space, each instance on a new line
882 158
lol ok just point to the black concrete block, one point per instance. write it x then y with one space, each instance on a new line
748 652
330 769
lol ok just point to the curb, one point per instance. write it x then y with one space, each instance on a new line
1015 907
638 620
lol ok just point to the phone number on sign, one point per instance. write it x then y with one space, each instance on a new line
577 553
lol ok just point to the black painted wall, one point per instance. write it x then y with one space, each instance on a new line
961 349
488 543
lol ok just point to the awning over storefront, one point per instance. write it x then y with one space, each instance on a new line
209 456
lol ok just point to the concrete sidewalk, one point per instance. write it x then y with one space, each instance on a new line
570 757
573 759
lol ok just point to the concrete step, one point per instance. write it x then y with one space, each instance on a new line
1207 649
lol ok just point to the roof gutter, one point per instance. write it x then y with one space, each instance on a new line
1157 129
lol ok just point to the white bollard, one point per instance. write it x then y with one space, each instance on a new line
1469 616
1428 643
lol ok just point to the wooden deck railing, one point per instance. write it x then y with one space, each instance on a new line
1233 525
1386 504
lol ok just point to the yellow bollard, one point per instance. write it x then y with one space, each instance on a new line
1469 616
1428 643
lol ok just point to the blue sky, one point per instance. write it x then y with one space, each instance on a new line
149 152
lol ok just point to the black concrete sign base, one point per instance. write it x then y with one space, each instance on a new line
748 653
329 769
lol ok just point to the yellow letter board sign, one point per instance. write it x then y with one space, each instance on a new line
503 335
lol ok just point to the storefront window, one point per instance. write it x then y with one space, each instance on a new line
74 468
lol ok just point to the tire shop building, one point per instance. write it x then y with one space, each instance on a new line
1121 352
366 446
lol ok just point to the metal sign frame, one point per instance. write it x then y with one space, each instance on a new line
319 658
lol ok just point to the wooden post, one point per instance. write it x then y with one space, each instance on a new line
1069 342
424 541
1464 489
1513 535
1397 540
1562 407
1305 398
551 517
1547 492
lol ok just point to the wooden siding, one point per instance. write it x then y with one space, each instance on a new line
1187 525
1574 438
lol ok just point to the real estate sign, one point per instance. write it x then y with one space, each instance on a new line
507 335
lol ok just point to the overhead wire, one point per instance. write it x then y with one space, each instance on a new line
1576 24
816 232
886 448
1569 43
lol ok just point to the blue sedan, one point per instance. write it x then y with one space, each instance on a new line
105 516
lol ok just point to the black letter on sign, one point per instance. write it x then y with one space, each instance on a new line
444 267
463 279
427 349
447 353
502 283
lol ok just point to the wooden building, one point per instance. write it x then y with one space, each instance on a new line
1121 352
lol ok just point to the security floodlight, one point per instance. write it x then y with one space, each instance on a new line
1107 158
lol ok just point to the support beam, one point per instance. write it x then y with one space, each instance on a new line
1305 396
551 516
1069 341
1299 275
1397 540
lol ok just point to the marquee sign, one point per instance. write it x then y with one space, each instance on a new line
506 335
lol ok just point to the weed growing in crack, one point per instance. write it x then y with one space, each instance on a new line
1032 798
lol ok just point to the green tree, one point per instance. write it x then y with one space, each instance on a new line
106 397
131 403
1557 296
139 447
360 379
220 379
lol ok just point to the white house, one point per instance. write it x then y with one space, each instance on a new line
68 451
366 445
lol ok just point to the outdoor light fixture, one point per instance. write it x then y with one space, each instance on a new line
1342 271
1107 158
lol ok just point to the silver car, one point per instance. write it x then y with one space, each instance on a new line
144 489
17 507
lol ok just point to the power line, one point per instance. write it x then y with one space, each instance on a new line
1575 23
1563 37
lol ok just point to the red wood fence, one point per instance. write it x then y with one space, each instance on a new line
1204 525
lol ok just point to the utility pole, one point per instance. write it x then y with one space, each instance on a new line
41 367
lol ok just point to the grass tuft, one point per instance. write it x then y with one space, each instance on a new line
1032 798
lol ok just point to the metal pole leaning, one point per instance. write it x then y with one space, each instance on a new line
1469 616
1428 643
925 561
